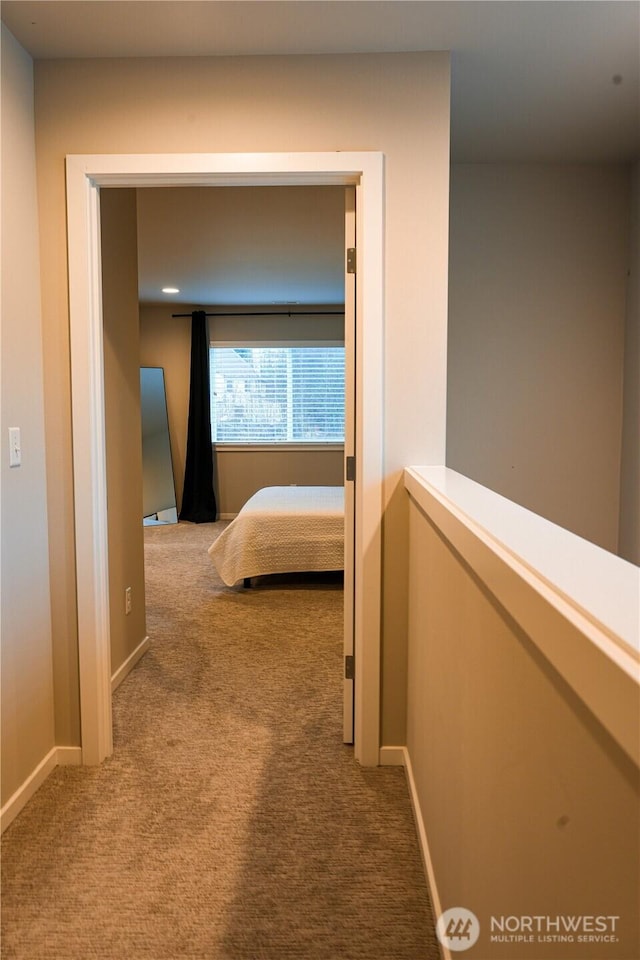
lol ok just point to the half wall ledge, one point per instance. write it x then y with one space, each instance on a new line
579 604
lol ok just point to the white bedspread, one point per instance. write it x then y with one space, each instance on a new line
283 530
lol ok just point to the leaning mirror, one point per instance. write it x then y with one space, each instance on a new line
158 489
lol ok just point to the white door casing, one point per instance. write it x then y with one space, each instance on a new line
85 175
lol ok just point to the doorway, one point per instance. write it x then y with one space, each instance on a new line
228 250
85 176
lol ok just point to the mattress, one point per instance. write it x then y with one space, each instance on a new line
283 530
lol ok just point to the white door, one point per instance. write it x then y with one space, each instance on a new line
349 454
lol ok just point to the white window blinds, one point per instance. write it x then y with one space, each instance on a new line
277 394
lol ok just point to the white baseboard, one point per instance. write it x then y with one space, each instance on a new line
424 845
399 757
227 516
128 665
69 756
57 756
392 756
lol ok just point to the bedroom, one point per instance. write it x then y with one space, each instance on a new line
248 243
269 246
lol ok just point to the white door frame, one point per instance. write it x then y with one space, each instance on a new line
85 175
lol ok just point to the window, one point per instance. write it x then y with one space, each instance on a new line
277 394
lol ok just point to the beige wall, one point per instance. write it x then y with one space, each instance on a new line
394 103
536 337
629 546
239 473
122 419
26 652
166 342
530 808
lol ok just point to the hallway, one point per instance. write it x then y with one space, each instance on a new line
230 821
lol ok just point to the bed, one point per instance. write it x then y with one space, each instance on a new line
282 530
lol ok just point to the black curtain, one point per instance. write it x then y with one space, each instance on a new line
198 498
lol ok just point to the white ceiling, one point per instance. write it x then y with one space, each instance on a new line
545 81
530 80
242 245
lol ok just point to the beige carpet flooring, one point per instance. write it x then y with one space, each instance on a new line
231 821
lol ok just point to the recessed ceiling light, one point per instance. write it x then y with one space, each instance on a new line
170 290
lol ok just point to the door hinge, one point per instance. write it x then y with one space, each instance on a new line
351 260
349 668
350 468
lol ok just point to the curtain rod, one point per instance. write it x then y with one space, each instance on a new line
272 313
